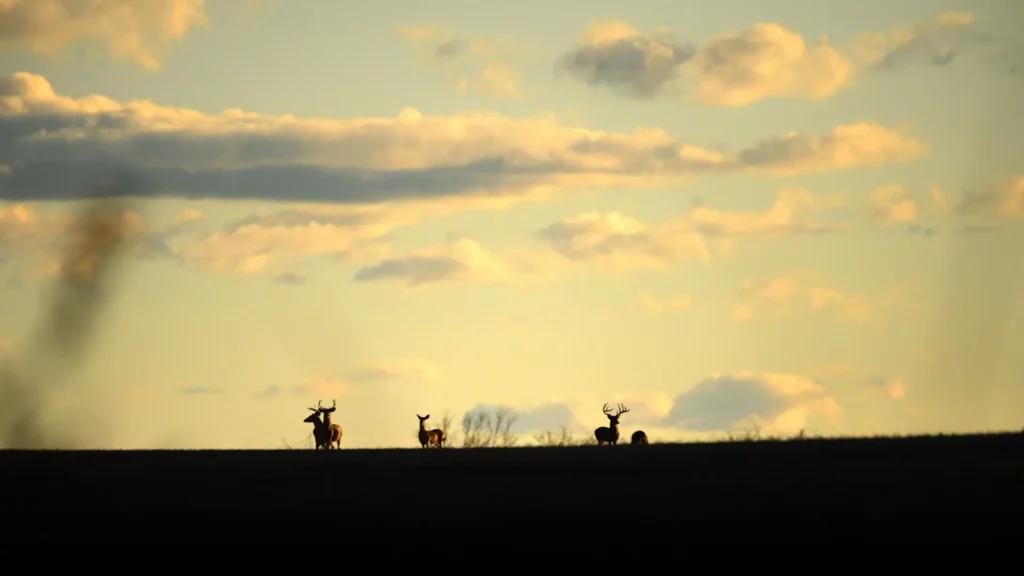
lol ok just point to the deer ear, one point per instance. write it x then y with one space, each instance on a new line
427 417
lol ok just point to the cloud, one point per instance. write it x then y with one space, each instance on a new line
984 208
894 388
161 244
396 371
764 61
656 305
289 278
863 144
202 391
767 60
17 223
321 387
482 65
786 215
621 242
613 241
53 144
994 202
616 55
246 245
136 31
949 38
778 296
535 419
188 215
780 403
893 204
325 387
461 260
59 236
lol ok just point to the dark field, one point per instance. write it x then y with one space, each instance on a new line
857 485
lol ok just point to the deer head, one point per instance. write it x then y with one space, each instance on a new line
613 419
314 418
327 411
423 419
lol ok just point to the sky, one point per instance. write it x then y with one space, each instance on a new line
727 216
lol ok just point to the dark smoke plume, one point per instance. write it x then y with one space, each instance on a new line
90 259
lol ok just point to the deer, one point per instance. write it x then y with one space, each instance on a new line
639 437
333 431
610 434
321 433
434 437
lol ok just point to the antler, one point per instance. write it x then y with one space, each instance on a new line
606 409
311 409
622 410
334 403
318 402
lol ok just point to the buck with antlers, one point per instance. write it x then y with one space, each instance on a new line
610 434
435 437
639 437
321 433
333 430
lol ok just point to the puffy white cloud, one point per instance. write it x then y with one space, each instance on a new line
613 241
862 144
779 403
616 55
767 60
53 144
788 214
132 30
245 246
982 208
621 242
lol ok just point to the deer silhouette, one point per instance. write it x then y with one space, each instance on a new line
639 437
333 430
434 437
321 433
610 434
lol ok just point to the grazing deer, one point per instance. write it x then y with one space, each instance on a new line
321 433
610 434
434 437
333 430
639 437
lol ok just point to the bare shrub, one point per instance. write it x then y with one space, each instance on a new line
447 426
481 429
549 438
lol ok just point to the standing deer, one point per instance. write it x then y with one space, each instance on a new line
333 430
321 433
610 434
639 437
435 437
